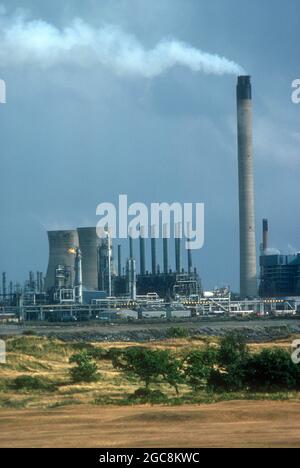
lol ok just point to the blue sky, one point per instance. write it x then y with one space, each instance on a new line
73 137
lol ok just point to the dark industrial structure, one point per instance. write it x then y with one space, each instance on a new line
166 283
280 275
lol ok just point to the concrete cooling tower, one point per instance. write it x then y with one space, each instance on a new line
89 243
59 244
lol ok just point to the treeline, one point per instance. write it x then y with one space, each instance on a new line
227 367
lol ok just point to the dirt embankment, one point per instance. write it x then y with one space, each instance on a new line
231 424
255 331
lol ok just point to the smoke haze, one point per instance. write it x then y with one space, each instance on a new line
37 42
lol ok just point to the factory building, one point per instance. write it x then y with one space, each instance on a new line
280 275
168 283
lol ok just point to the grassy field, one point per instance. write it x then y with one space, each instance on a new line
49 360
227 424
103 414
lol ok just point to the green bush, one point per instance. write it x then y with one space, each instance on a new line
149 366
177 332
271 369
27 382
145 395
99 354
85 369
230 380
268 370
199 366
112 354
232 349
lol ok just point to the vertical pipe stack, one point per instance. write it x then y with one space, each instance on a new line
142 252
265 235
119 261
189 252
178 247
78 278
248 264
131 271
165 249
4 285
153 250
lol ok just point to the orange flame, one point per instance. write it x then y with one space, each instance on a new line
72 251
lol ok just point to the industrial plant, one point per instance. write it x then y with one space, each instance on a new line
89 277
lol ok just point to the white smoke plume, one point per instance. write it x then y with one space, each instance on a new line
36 42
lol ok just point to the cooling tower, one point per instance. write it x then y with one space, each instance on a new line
59 244
248 263
89 243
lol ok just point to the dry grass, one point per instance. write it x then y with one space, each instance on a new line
230 424
49 358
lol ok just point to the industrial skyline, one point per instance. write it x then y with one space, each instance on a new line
181 133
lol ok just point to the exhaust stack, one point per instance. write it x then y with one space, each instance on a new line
248 262
78 277
153 250
178 247
142 252
165 249
119 260
265 236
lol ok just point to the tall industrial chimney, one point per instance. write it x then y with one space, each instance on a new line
78 277
165 248
105 264
153 250
248 263
178 247
119 260
142 252
4 284
265 235
131 271
189 251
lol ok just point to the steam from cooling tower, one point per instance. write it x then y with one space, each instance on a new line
36 42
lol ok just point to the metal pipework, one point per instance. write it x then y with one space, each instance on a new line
78 277
248 262
105 264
